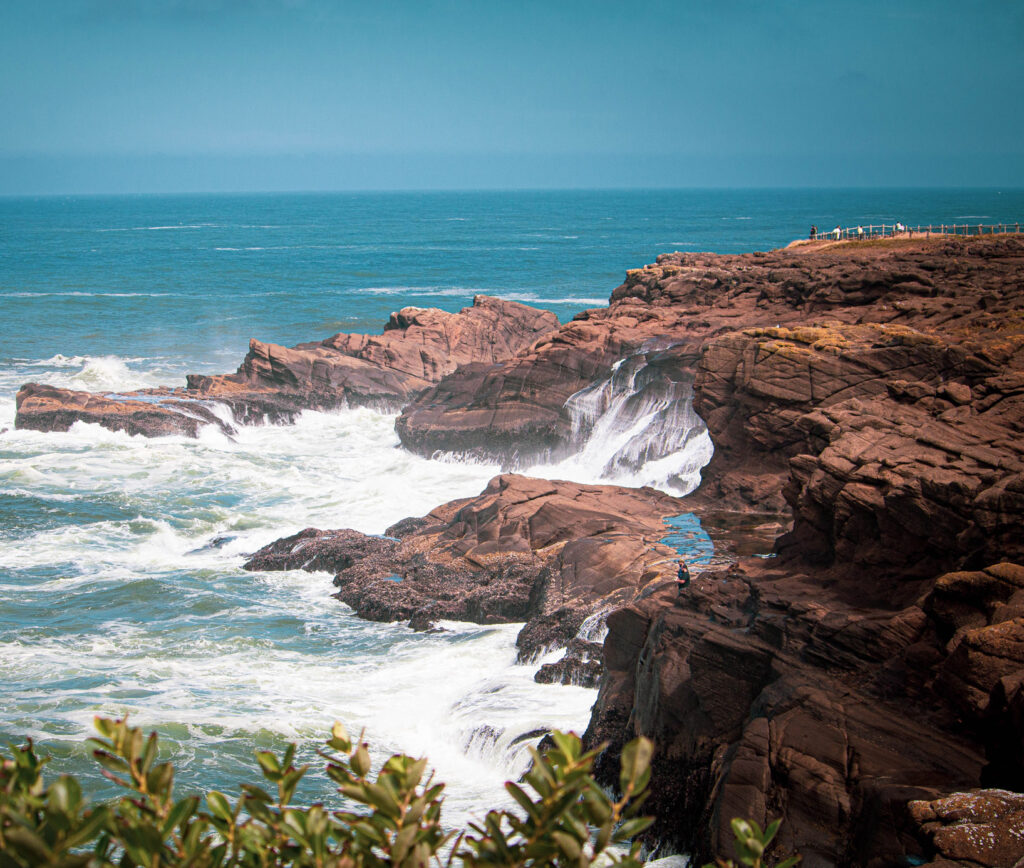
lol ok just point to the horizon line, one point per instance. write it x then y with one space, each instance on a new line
641 188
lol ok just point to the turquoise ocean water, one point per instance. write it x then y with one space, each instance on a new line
113 598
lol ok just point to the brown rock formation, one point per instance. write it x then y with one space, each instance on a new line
549 553
151 412
418 347
982 828
878 392
962 294
853 672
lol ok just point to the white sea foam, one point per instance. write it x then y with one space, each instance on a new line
634 429
94 373
160 621
160 228
157 619
468 292
444 291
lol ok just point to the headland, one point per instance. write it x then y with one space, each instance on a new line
866 681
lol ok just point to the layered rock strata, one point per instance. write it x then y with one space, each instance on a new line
275 383
853 672
548 553
950 289
877 394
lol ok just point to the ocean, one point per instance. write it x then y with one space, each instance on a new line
121 588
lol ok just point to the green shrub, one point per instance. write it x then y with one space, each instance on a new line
566 818
751 843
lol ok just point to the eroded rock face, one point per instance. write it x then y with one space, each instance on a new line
854 671
549 553
950 292
275 383
776 694
417 348
152 413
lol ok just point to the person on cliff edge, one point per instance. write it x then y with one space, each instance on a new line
682 577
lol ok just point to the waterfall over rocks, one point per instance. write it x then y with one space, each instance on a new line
638 427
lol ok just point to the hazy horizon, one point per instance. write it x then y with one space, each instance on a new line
165 96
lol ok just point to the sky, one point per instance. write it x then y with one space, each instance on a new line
131 96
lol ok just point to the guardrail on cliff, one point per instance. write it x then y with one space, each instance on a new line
899 230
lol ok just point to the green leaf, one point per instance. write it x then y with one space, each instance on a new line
256 794
268 762
289 756
109 761
160 781
150 753
568 743
339 738
65 794
636 761
523 799
104 726
632 828
27 841
179 814
90 826
567 844
361 761
219 806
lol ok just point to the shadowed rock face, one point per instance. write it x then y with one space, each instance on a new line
274 383
772 692
550 553
879 657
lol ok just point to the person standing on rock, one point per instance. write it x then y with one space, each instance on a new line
682 577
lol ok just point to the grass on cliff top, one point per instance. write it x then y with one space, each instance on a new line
851 245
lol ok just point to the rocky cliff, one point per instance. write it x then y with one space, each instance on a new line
866 680
853 672
876 392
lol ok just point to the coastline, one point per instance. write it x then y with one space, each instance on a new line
648 298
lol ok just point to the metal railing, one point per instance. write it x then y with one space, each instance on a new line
900 230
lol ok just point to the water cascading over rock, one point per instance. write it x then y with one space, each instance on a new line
638 426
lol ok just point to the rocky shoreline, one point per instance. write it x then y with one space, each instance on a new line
274 384
866 681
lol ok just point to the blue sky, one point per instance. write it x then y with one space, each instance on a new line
194 95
